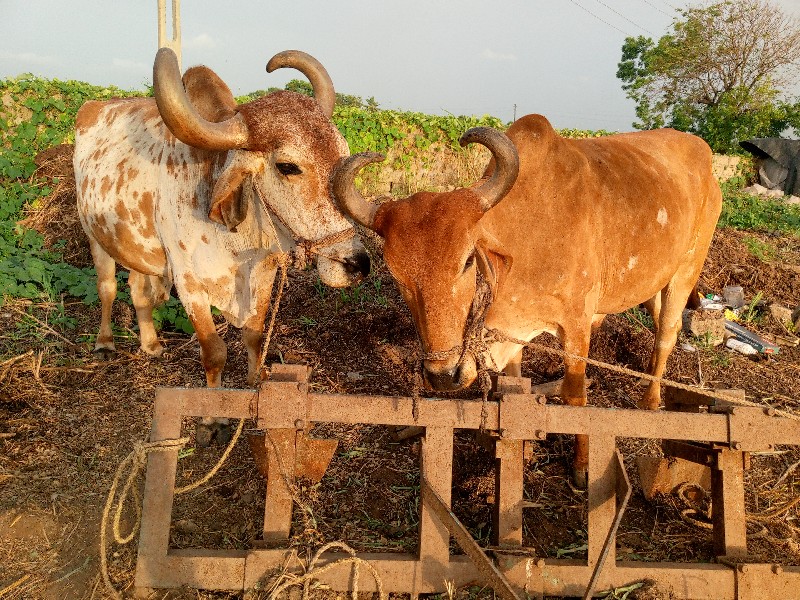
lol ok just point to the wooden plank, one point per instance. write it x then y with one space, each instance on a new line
437 469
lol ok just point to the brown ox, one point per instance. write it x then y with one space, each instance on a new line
192 190
588 227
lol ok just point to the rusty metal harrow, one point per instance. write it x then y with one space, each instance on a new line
720 438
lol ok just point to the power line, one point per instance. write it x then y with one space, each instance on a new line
658 9
583 8
616 12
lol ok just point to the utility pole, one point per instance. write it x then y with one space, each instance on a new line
515 111
174 42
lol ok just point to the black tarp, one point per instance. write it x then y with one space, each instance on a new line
778 162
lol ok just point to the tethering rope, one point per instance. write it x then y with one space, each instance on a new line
478 338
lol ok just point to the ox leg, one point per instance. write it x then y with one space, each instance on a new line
653 307
573 392
107 291
673 300
213 355
514 366
253 332
147 291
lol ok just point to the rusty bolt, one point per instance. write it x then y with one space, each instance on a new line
299 424
777 569
742 568
540 434
769 411
541 399
736 445
540 563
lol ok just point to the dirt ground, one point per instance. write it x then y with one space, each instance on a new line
67 419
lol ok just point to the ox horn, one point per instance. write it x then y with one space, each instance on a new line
182 118
345 192
313 70
506 164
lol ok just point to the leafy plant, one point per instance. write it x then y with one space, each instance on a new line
639 319
763 251
753 213
172 313
750 313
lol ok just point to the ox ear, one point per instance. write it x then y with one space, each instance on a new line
233 193
493 263
210 96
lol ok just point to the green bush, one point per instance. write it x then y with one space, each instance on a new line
753 213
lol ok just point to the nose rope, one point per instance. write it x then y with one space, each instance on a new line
309 247
475 343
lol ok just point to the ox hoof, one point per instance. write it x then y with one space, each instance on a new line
154 350
104 352
649 403
580 477
212 432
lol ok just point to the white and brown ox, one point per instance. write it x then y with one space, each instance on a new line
565 231
192 190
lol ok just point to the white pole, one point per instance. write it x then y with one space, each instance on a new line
175 41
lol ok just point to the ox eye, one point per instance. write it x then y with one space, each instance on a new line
469 263
287 168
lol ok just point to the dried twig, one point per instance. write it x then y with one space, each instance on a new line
14 359
7 364
786 473
14 585
43 324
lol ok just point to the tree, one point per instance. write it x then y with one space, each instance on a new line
723 71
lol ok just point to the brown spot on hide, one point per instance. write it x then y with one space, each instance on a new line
106 185
204 238
121 176
147 207
182 246
129 247
121 210
88 115
84 185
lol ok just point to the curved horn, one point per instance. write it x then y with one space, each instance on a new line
506 163
313 70
345 192
182 118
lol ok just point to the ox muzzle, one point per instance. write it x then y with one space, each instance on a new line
450 375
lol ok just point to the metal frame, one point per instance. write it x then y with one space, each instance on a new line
516 416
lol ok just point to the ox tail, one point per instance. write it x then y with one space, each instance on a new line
693 301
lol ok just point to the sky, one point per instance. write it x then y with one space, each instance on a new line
462 57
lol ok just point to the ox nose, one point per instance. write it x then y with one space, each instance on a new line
357 264
443 380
